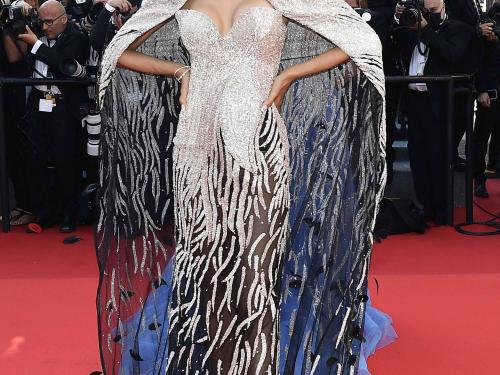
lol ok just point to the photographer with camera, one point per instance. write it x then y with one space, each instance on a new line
15 100
53 127
470 13
488 109
431 43
109 21
481 27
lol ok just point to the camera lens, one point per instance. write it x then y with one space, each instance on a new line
71 68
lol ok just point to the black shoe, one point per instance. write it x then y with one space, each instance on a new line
460 164
68 225
481 191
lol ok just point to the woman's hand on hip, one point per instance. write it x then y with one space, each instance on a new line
279 89
184 89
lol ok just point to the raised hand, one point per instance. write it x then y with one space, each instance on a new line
122 5
28 37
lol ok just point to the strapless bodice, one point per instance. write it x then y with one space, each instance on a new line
231 76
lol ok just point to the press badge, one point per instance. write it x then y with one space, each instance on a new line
45 105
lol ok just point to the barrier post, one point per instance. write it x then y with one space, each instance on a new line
4 183
450 152
469 134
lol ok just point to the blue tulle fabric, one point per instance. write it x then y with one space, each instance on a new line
378 333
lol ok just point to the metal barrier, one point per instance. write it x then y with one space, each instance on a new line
451 91
449 81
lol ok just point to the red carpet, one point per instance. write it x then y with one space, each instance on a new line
442 289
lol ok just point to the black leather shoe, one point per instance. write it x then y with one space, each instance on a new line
481 191
68 225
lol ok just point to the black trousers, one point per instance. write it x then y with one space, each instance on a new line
54 141
16 146
487 120
427 151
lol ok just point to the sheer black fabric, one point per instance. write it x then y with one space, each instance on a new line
337 173
135 230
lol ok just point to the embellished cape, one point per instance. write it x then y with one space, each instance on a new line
335 194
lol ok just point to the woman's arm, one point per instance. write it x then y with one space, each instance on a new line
139 62
142 63
317 64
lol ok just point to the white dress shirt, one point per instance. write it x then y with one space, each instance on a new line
41 68
417 66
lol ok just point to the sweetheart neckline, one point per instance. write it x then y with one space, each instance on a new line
236 21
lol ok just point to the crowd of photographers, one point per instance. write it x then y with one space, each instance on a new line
51 151
440 38
52 131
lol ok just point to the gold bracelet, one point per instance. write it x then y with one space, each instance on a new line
178 69
182 75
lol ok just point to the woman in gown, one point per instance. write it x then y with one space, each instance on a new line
231 176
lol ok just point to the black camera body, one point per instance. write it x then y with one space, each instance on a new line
15 19
84 13
413 13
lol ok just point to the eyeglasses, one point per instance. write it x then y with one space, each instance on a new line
51 22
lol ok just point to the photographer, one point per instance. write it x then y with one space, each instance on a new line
470 13
431 43
53 112
117 11
488 109
382 16
15 100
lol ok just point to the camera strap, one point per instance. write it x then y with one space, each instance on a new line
478 7
48 75
39 73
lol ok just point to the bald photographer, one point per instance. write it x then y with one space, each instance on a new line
59 49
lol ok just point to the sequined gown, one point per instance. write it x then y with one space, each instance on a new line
231 198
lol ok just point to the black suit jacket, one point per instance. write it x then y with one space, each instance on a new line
465 11
71 44
488 77
446 47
